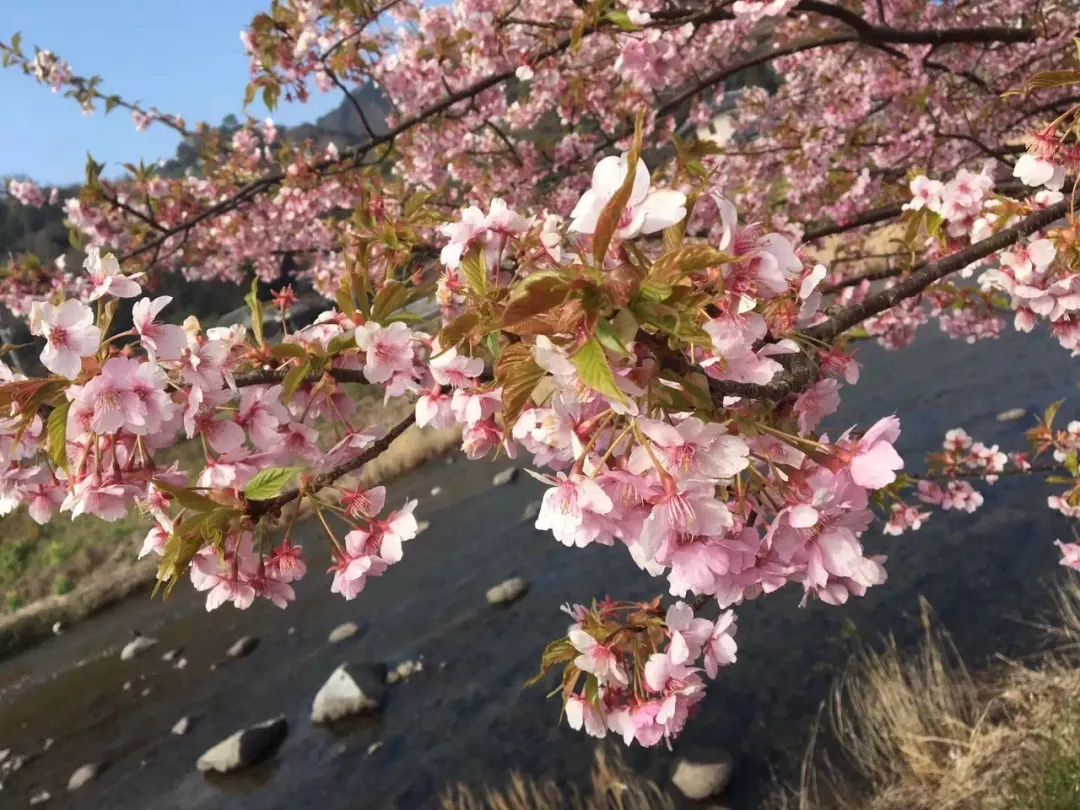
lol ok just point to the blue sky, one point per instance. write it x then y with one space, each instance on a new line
183 57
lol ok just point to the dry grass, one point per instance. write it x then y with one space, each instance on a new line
613 787
919 733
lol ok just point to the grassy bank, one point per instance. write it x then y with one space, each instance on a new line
68 570
918 731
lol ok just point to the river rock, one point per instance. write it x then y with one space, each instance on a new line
181 663
40 797
702 776
58 627
404 671
83 775
507 476
49 743
245 748
171 655
1012 415
243 646
532 509
182 726
375 746
136 647
342 632
506 592
351 689
4 754
435 491
127 685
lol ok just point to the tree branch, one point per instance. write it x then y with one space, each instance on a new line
922 278
272 506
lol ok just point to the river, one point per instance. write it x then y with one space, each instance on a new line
467 717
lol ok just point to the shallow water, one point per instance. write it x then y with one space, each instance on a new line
472 720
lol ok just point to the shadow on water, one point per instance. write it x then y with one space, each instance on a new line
471 719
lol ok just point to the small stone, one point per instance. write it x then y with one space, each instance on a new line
435 491
342 632
58 627
375 746
182 726
1012 415
17 762
146 692
136 647
40 797
292 631
506 592
243 646
49 743
245 748
507 476
82 776
450 459
213 667
181 663
171 655
128 685
532 509
352 688
4 754
702 777
442 666
406 669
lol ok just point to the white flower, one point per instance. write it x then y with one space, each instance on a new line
70 332
104 272
1035 171
646 211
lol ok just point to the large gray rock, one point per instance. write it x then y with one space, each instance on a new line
243 646
245 748
342 632
351 689
506 592
1012 415
702 777
83 775
507 476
136 647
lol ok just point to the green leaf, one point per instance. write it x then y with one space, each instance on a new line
609 338
1072 465
269 482
537 293
608 221
292 381
415 203
674 264
1052 78
187 497
626 326
518 374
1051 412
595 371
344 297
454 332
283 350
557 652
255 305
474 268
392 297
56 431
620 19
341 343
654 291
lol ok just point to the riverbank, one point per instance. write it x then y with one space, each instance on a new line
916 730
95 563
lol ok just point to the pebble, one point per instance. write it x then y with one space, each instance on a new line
507 476
128 685
49 743
136 647
1012 415
182 726
375 746
702 777
351 689
435 491
342 632
4 754
245 748
58 627
531 511
146 692
170 655
83 775
40 797
404 671
506 592
243 646
181 663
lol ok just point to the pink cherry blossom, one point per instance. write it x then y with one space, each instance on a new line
70 335
164 340
646 211
105 276
596 658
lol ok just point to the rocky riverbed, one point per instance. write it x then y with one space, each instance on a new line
462 714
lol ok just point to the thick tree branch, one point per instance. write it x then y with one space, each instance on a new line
919 280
